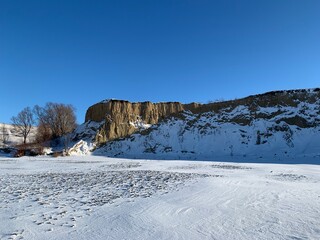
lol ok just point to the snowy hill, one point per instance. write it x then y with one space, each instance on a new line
272 127
13 136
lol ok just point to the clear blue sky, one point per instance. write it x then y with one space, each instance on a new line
81 52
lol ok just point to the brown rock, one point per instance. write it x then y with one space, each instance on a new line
119 116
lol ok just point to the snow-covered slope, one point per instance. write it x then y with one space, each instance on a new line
283 127
13 136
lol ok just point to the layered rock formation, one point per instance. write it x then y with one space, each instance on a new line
272 127
122 118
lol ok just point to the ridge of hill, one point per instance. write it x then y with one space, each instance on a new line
272 125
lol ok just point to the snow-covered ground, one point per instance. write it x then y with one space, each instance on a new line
90 197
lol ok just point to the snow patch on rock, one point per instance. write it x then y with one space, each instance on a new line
81 148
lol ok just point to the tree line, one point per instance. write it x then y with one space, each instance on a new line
54 120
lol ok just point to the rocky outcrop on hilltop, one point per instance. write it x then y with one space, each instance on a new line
276 126
114 119
122 118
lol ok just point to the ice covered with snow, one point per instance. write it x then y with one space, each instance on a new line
89 197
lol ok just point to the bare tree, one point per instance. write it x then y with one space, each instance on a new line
4 135
56 119
23 123
44 133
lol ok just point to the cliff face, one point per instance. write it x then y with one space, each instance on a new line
122 118
272 127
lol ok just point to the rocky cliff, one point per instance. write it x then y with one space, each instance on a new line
117 119
122 118
272 127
